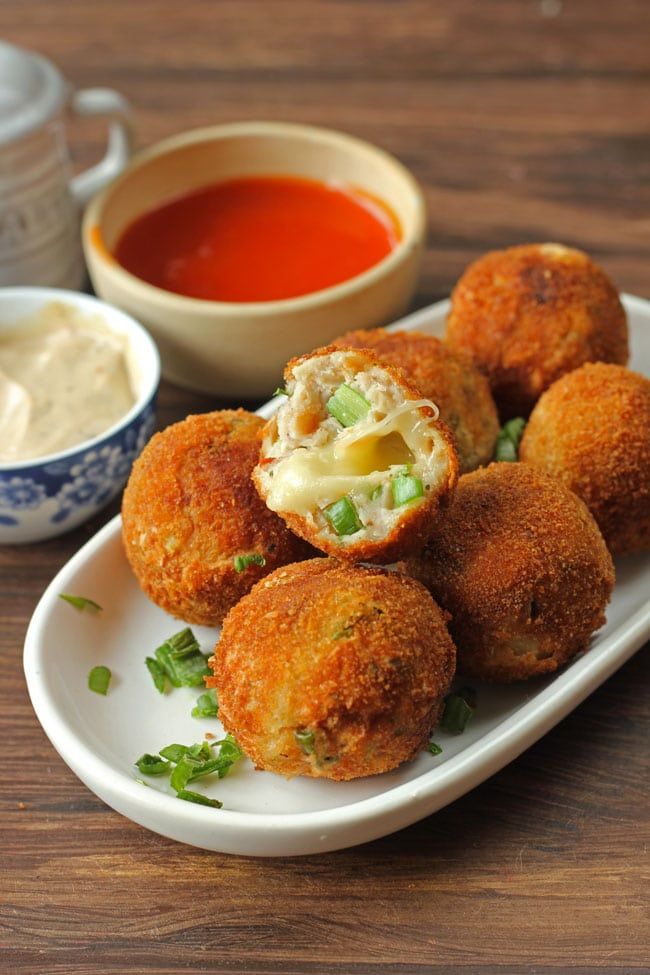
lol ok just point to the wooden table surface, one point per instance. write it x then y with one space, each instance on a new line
524 120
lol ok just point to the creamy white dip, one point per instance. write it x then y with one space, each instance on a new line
64 378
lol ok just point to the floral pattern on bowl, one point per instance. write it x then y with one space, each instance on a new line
44 500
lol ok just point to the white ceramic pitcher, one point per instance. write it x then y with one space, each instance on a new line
39 203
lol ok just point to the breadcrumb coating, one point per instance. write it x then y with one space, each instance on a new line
591 429
521 566
529 314
190 508
332 670
450 379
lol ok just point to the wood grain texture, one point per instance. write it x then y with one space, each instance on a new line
523 120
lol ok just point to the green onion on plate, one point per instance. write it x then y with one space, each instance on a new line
157 673
181 660
198 798
99 679
81 602
458 710
152 764
206 705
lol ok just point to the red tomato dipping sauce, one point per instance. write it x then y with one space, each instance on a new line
259 238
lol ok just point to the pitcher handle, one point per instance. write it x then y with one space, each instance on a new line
103 101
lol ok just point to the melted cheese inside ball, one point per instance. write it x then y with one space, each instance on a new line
311 460
353 464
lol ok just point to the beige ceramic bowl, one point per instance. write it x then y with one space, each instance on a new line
239 350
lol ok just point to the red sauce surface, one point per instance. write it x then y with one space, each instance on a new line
258 239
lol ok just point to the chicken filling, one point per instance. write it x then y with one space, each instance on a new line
349 451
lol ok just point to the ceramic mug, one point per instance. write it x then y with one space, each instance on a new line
39 203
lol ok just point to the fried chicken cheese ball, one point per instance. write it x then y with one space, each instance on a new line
591 429
449 379
355 460
195 531
351 689
521 566
528 315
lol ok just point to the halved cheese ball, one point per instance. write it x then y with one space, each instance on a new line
355 461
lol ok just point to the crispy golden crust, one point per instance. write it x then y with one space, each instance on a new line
591 429
418 521
522 567
366 357
528 315
448 378
190 507
365 674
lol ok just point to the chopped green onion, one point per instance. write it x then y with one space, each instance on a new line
157 673
458 711
197 761
98 680
343 516
174 752
184 771
241 562
306 739
376 492
206 705
229 748
229 754
164 659
210 766
469 694
182 644
207 768
347 406
281 391
200 751
181 659
192 670
152 764
367 615
405 489
192 762
434 748
507 448
81 602
198 798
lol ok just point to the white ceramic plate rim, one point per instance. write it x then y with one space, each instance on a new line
329 829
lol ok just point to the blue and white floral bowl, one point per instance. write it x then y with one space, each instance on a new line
47 496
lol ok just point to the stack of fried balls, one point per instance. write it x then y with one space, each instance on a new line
380 453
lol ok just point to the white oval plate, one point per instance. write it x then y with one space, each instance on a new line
264 815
